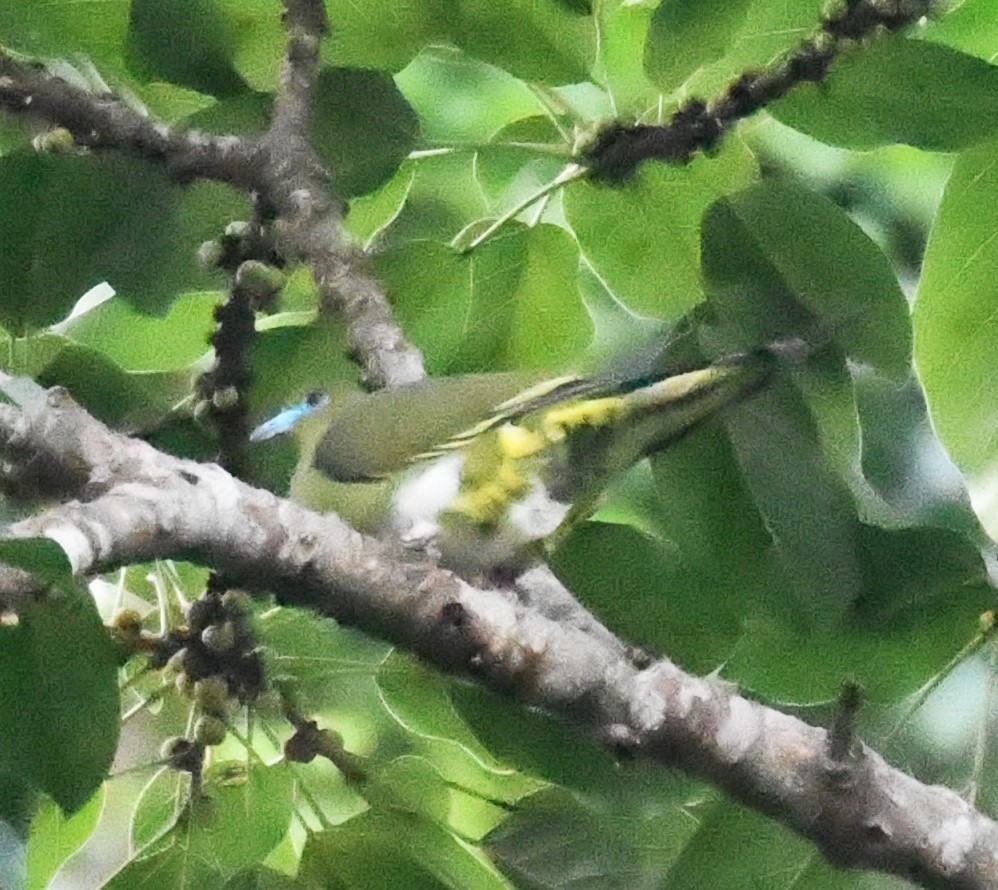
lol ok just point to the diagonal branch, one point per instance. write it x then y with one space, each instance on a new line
698 126
141 504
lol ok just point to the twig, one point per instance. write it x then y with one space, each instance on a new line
617 152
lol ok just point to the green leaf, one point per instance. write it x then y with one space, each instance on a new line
419 701
541 42
137 342
518 160
332 667
372 213
623 29
383 34
687 567
889 660
881 446
536 41
442 302
955 322
652 592
769 30
262 879
550 324
557 839
60 680
166 868
394 849
361 108
170 824
462 100
126 400
255 41
897 90
512 303
443 199
806 509
186 42
617 329
915 568
245 114
74 221
169 102
820 874
761 278
257 798
41 557
688 34
532 742
643 239
416 785
366 852
54 838
906 463
155 808
731 842
970 27
64 30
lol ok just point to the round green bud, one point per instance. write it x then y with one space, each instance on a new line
211 695
260 280
210 254
225 398
57 141
209 730
219 637
128 621
177 663
172 745
236 602
182 754
238 228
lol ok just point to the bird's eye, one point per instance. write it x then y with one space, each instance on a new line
315 398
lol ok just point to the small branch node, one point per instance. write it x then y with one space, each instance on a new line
842 743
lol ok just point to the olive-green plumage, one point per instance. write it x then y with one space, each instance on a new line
498 473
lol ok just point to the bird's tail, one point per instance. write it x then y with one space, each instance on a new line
671 407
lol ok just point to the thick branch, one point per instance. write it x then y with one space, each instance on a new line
141 504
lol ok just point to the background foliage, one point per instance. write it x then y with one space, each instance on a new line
824 530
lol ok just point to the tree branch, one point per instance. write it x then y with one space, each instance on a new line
281 167
310 221
618 150
139 504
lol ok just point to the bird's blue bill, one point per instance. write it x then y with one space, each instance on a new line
284 422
